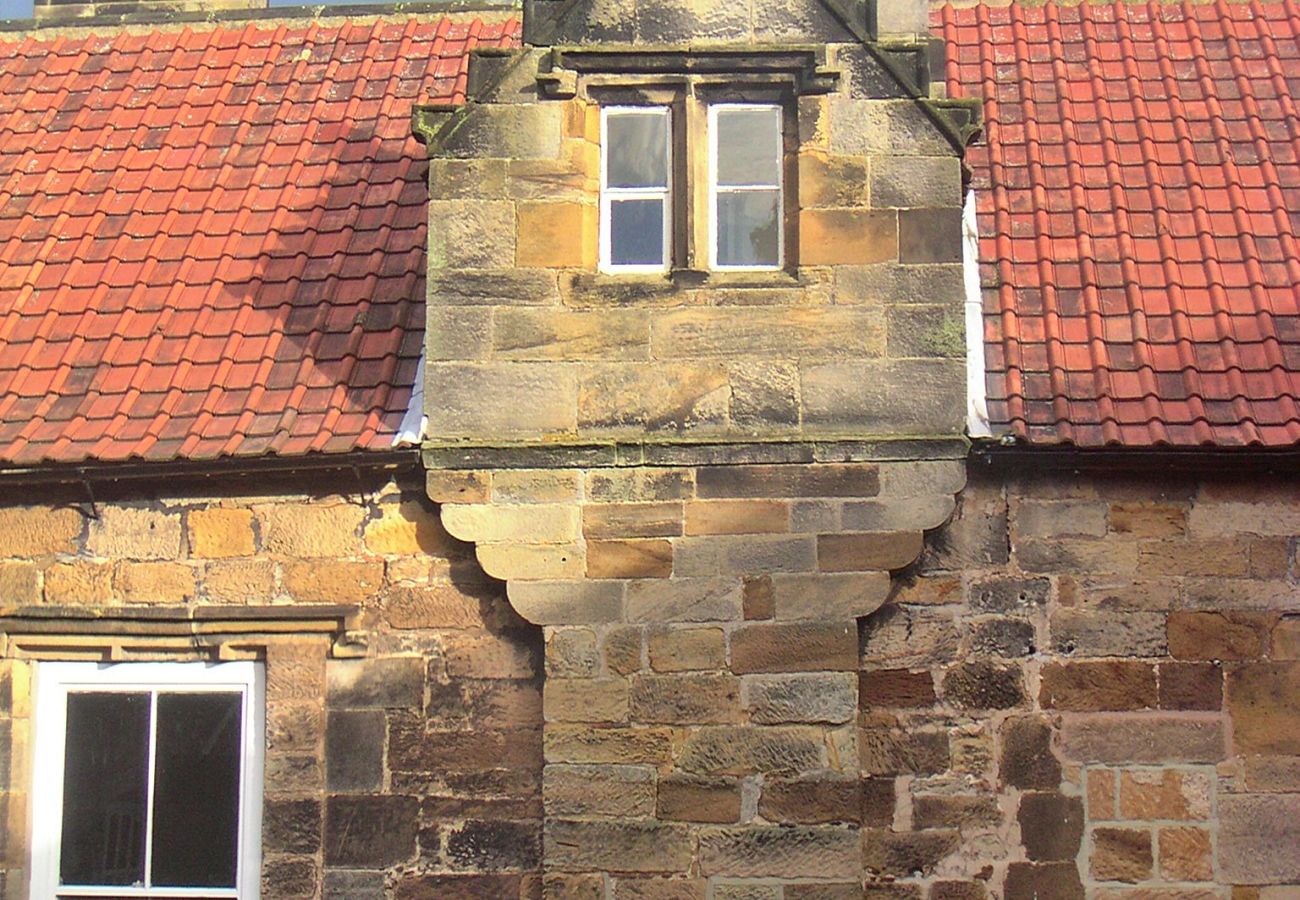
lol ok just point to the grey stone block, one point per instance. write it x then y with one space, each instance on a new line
354 750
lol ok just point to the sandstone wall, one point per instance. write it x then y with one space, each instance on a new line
403 756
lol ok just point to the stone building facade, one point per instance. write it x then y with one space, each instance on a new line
695 589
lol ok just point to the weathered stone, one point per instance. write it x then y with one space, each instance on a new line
690 799
1258 837
332 580
312 531
545 400
391 682
1121 854
1213 558
794 647
895 688
746 750
1190 686
685 699
40 530
1148 520
866 552
1186 854
556 235
1265 714
897 127
408 528
759 598
1145 738
832 181
495 845
828 596
571 653
889 752
824 480
615 746
628 520
915 181
635 398
844 395
239 581
354 750
983 685
291 825
1051 825
1105 633
450 887
568 602
20 583
289 878
1003 636
1027 761
737 517
829 697
629 559
930 235
510 655
586 699
1095 686
78 583
684 600
958 890
134 533
1164 794
955 811
800 332
686 649
154 582
370 831
906 854
789 852
438 605
906 638
618 846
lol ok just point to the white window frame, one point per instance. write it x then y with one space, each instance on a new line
715 189
55 680
609 194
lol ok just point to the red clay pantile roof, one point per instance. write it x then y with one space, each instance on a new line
1139 204
212 241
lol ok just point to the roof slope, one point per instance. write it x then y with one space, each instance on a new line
212 241
1139 205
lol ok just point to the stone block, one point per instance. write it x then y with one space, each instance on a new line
832 181
154 582
983 684
632 398
571 653
406 529
891 283
544 399
394 682
40 530
495 844
886 751
552 523
1003 636
471 234
133 533
442 605
1121 854
1051 825
354 750
828 596
862 397
1265 714
79 583
687 649
825 697
684 600
556 234
754 851
748 750
411 886
289 878
790 481
794 647
915 181
881 551
467 179
1026 760
291 825
1217 635
685 699
585 699
898 514
799 332
803 21
1186 854
546 334
964 811
493 287
1148 520
549 562
1258 838
504 131
905 854
585 790
891 127
737 517
898 637
1143 738
958 890
311 531
618 846
684 798
536 486
639 485
1096 686
219 532
629 559
895 689
625 520
759 598
1039 881
623 649
614 746
1106 633
930 235
815 800
1210 557
331 581
1190 685
848 236
370 832
20 583
1165 794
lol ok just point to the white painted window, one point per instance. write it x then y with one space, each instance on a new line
147 780
636 189
746 193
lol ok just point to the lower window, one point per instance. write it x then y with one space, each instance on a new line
147 780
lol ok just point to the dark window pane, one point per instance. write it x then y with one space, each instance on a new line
196 790
749 146
748 226
105 789
638 150
636 232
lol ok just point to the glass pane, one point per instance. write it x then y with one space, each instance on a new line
638 150
748 224
636 232
105 789
749 146
196 790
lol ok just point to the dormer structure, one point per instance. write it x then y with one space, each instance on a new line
695 388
